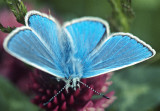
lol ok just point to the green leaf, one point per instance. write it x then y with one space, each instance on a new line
137 89
11 99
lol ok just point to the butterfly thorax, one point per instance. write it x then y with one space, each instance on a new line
74 73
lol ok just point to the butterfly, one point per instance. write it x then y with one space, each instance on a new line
81 48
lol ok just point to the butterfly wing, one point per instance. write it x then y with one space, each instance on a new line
86 33
118 51
99 54
40 44
37 44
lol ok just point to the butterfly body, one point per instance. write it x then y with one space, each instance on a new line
74 73
81 48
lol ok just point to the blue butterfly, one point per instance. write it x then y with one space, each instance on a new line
81 48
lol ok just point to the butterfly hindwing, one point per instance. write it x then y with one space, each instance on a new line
47 28
118 51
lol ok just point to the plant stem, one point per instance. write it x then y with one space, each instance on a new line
119 20
18 8
6 29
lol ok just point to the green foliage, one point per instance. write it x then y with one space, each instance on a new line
18 9
6 29
127 8
118 16
11 99
137 89
2 3
69 9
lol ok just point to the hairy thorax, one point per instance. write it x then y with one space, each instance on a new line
75 73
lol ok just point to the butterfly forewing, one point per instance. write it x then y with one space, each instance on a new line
38 44
86 33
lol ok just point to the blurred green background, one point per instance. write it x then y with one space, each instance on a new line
137 88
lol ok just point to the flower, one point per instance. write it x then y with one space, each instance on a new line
99 104
46 86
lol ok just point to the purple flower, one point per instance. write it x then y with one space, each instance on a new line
45 86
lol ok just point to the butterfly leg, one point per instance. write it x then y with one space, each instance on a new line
72 82
75 83
67 81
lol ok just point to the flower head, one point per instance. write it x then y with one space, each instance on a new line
46 86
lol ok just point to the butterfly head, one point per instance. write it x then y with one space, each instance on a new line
72 82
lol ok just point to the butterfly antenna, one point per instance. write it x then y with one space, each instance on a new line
54 96
94 90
